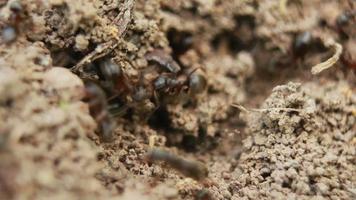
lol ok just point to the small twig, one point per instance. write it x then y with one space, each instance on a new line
330 43
121 22
264 110
124 17
100 51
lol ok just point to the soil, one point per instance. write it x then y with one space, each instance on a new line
263 125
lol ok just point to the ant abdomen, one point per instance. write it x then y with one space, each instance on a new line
97 101
110 70
197 83
192 169
164 60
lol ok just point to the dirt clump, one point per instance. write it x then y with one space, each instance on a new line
45 125
304 152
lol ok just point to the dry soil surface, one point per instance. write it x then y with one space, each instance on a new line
244 101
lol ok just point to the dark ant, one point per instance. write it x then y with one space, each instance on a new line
118 85
302 43
96 99
110 70
189 168
164 60
169 82
197 83
114 78
166 83
349 54
193 82
16 7
192 169
122 93
344 23
10 32
342 19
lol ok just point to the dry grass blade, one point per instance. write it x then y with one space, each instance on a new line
331 61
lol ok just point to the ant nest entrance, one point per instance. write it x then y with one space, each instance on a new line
137 99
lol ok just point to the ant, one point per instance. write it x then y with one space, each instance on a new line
119 87
349 54
196 83
164 60
302 43
344 24
192 169
96 99
150 88
113 77
170 82
10 31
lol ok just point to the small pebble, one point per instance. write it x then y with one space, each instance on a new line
81 43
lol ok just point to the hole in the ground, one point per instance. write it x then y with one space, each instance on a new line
189 143
286 184
180 41
242 37
160 119
312 185
244 31
265 174
66 58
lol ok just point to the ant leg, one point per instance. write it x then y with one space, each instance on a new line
107 127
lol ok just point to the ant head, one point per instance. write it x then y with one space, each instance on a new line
16 6
160 83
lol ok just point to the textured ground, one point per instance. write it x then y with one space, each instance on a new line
294 137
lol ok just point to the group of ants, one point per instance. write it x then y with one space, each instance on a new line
112 93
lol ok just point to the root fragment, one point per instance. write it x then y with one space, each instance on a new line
329 43
242 108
